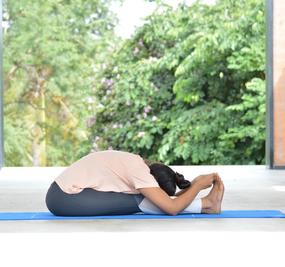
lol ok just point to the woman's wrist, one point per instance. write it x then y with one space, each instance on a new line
196 185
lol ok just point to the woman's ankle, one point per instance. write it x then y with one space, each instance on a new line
206 203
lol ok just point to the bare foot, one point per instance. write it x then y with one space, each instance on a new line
213 201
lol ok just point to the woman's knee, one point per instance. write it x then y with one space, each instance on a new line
52 200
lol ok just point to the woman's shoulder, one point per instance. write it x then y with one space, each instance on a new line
112 154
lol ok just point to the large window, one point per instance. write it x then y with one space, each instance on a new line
187 86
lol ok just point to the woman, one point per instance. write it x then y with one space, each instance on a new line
113 182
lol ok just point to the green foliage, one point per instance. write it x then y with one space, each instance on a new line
250 134
188 87
52 50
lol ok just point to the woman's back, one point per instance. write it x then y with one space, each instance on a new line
107 170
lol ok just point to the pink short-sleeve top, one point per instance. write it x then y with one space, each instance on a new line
107 170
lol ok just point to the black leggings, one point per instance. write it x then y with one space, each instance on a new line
90 202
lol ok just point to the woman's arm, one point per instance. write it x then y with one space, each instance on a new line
181 192
195 180
171 206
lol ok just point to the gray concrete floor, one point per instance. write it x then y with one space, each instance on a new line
246 187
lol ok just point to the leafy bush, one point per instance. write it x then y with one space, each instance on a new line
188 87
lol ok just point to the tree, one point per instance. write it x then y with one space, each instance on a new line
52 51
188 87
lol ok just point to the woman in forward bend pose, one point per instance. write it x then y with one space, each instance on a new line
113 182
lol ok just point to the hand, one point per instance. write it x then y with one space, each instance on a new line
205 180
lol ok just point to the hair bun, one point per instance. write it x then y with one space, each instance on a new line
181 182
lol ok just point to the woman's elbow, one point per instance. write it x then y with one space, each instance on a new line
169 209
173 210
173 213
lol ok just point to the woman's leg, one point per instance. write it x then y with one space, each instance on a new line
89 202
146 206
208 204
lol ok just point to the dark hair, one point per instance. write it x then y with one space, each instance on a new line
167 178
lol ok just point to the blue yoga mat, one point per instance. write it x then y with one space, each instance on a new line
224 214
